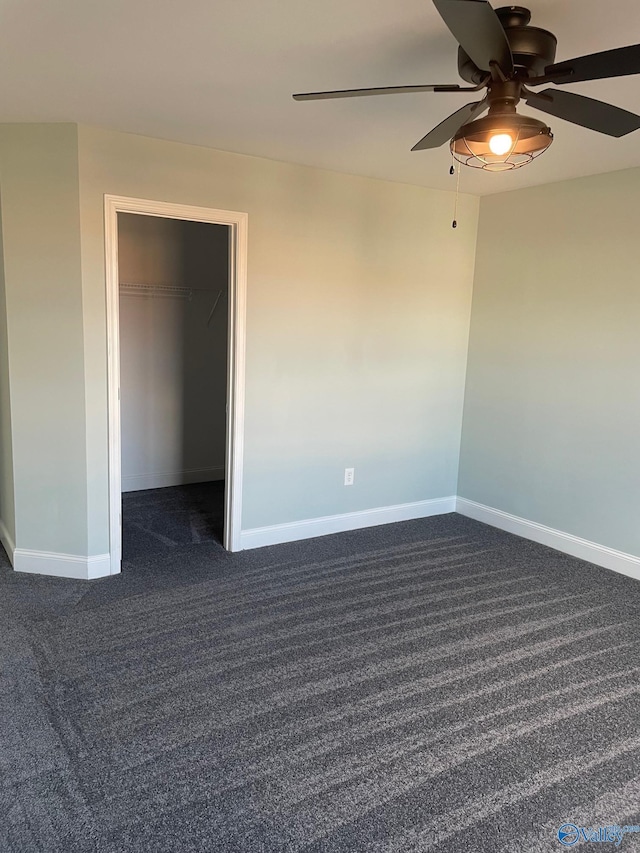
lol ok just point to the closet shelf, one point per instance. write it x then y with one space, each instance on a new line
133 289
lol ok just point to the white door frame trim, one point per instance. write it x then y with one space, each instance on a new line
238 223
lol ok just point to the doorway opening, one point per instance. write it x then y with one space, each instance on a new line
176 279
174 287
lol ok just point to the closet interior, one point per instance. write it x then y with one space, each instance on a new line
174 288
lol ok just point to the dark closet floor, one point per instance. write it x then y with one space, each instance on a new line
157 520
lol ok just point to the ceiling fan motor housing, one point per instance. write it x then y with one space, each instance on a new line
532 48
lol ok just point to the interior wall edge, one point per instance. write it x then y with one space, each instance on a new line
468 341
7 541
7 482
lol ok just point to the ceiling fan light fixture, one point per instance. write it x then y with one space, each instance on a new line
500 143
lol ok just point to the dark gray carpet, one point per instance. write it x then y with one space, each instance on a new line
155 520
432 685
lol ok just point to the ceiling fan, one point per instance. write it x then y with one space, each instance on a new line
501 53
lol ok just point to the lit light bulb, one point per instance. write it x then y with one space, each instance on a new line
500 143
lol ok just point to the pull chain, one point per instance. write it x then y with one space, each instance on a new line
454 224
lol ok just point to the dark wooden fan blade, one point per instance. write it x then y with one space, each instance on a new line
450 126
596 115
610 63
386 90
478 31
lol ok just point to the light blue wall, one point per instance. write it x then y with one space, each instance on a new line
359 297
43 291
358 316
359 293
552 408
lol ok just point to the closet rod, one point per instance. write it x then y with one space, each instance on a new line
155 290
163 290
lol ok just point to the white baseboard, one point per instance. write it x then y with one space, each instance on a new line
137 482
608 558
61 565
309 528
87 568
7 541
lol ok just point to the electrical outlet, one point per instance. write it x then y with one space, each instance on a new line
348 476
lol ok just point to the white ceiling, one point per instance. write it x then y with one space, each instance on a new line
221 73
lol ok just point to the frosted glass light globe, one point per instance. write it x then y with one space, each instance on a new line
500 144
